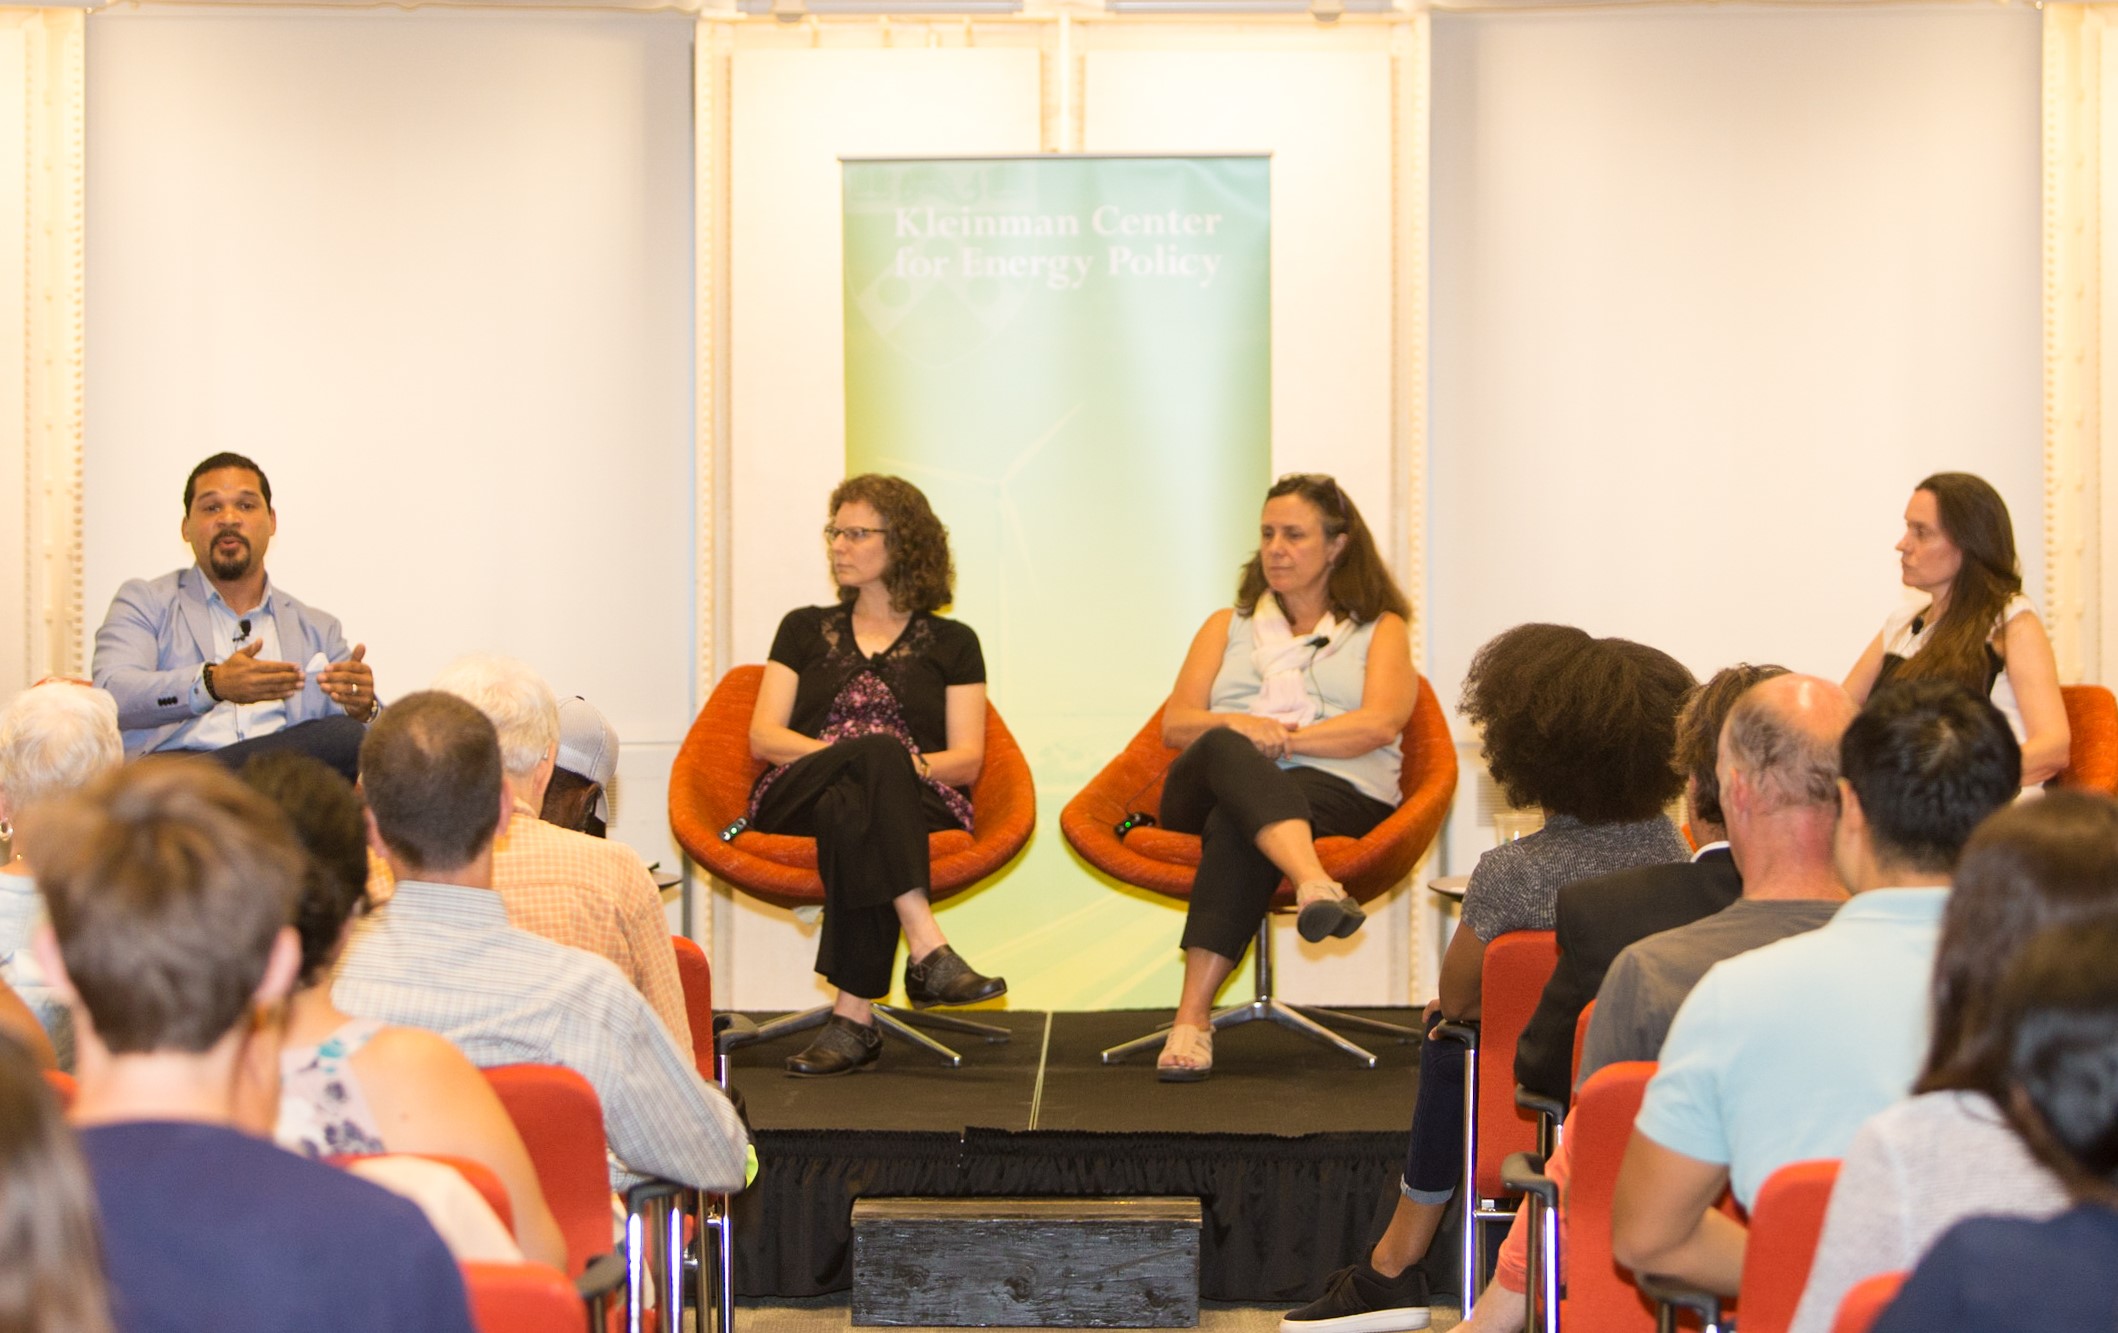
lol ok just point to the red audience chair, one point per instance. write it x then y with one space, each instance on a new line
1164 862
1581 1026
63 1087
709 793
708 1213
535 1298
1786 1219
695 974
1517 965
561 1123
476 1174
522 1298
1596 1295
2092 757
1543 1268
1866 1301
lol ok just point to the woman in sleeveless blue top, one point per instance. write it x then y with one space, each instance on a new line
1289 707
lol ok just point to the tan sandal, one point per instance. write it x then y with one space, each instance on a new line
1187 1056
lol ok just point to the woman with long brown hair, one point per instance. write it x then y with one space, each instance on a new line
1289 709
1975 626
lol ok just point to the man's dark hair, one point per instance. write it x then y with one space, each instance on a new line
221 460
1928 759
430 768
167 883
324 812
1699 733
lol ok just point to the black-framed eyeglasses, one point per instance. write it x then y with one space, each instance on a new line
832 532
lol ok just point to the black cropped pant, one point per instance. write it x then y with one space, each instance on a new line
870 814
1222 789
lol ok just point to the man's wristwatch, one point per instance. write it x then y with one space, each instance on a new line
206 679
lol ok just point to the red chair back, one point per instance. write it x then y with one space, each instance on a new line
1786 1219
709 789
2092 755
63 1087
476 1174
695 974
1517 965
1599 1294
561 1123
523 1298
1588 1011
1866 1301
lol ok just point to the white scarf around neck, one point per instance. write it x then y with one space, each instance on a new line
1281 660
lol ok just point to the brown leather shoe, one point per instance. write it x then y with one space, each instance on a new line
942 977
840 1047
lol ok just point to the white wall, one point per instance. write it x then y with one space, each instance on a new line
1325 116
432 270
16 608
1713 289
794 114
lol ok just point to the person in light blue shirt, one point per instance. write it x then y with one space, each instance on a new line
1779 1054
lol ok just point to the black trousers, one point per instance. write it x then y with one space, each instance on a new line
1222 789
334 740
870 814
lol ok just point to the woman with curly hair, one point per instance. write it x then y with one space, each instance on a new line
872 717
1975 626
1587 729
1289 708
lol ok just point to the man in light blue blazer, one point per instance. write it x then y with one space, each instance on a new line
215 659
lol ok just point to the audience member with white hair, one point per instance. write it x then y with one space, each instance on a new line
55 737
570 888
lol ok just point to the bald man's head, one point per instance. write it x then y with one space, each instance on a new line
1782 736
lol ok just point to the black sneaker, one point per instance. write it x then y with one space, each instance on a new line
1361 1300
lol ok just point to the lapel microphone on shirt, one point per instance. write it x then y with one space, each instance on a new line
243 628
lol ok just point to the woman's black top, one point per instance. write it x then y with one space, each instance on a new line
930 655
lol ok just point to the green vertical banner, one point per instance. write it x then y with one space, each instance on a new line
1070 356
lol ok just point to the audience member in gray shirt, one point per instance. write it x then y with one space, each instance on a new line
1644 988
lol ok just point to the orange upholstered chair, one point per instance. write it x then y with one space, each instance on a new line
709 792
1865 1303
1164 862
2092 759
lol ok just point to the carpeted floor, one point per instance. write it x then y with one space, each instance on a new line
1049 1076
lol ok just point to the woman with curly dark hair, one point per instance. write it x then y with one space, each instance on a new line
1975 625
872 717
1289 708
1587 729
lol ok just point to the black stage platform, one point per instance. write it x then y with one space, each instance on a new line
1292 1148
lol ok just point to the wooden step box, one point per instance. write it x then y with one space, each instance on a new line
1026 1263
